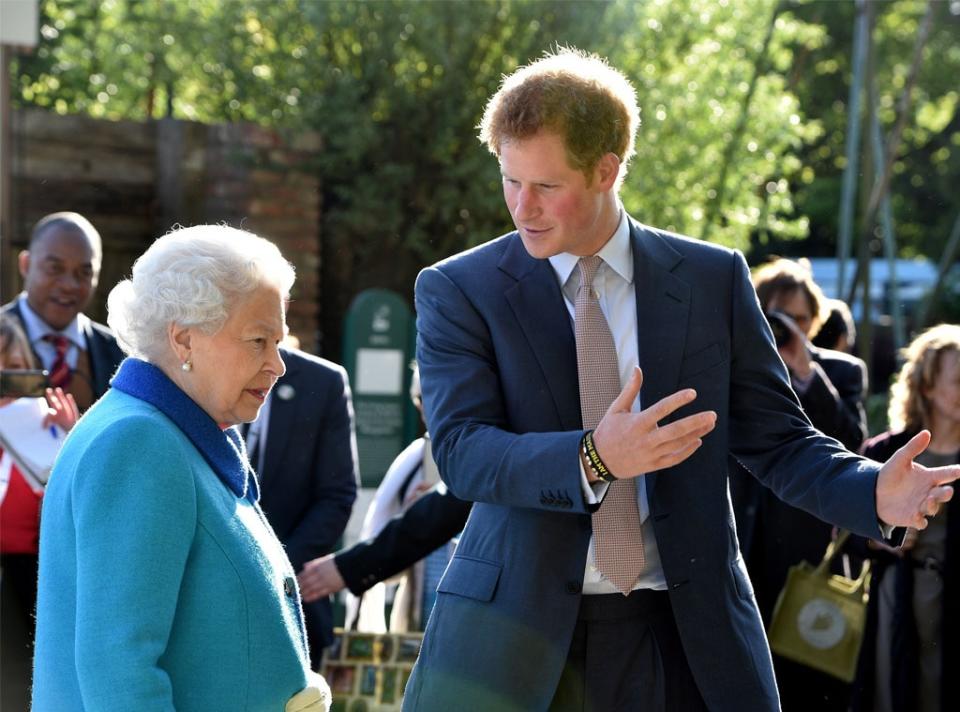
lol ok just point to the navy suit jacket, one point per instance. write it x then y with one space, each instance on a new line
497 360
309 478
105 354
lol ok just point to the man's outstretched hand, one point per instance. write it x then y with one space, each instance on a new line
907 492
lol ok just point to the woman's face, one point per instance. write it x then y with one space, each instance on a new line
13 358
944 396
795 305
234 369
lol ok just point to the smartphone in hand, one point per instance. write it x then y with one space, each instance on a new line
16 383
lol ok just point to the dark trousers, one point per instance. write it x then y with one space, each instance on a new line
626 655
802 688
18 599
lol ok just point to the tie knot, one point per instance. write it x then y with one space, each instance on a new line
59 341
588 270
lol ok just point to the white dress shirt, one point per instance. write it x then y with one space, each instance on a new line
615 290
37 328
256 436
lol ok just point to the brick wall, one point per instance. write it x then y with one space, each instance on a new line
135 180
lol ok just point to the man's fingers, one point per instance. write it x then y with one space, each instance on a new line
677 456
665 406
624 402
676 442
692 426
937 497
945 475
917 444
309 590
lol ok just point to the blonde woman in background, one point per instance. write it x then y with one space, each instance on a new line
915 606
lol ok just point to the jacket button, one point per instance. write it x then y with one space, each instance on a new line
574 587
288 587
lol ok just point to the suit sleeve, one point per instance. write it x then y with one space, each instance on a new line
135 519
772 437
335 479
479 458
428 524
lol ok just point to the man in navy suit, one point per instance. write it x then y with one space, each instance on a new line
304 449
60 269
529 614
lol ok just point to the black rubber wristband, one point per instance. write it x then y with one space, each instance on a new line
593 459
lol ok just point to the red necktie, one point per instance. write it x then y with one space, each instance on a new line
60 372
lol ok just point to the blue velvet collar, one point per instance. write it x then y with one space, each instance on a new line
223 450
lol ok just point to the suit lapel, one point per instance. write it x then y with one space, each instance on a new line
540 309
663 310
98 358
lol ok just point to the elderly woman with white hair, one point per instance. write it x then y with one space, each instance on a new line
161 584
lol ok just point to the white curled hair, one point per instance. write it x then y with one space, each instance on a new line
191 276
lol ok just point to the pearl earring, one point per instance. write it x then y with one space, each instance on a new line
186 366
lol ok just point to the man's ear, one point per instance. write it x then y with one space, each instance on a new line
180 341
23 262
606 172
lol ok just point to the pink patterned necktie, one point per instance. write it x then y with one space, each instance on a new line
59 371
617 538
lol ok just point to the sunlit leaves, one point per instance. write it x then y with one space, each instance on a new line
396 88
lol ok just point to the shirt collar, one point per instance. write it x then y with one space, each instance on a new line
223 450
616 253
37 328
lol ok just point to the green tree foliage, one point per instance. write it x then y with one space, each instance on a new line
924 197
396 88
692 64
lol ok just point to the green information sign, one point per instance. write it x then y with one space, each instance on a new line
378 351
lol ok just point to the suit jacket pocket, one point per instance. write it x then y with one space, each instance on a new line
471 578
702 360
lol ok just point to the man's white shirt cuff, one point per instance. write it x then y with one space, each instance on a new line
592 493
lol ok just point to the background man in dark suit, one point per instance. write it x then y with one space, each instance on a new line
306 458
60 268
568 592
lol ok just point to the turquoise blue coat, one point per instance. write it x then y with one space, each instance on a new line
161 584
